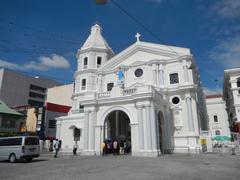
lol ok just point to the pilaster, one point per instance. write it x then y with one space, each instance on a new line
140 127
188 99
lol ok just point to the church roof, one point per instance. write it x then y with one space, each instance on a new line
95 39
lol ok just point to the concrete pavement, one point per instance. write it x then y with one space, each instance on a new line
175 166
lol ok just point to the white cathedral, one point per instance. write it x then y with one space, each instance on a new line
148 94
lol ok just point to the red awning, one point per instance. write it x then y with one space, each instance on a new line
57 108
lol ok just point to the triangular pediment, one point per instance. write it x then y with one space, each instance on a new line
143 52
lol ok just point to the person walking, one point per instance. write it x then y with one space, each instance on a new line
75 147
56 148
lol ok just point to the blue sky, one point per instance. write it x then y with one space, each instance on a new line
42 37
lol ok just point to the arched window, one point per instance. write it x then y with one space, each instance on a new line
110 86
99 61
217 132
85 63
81 108
83 84
238 82
76 134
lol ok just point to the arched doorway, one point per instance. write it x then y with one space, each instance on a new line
160 126
117 127
76 133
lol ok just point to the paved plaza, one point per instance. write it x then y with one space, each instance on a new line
174 167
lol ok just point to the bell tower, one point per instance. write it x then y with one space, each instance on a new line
94 53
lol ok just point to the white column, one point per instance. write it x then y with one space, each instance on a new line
93 133
86 131
148 123
185 69
153 128
145 129
189 112
91 138
161 75
117 133
154 74
140 128
157 75
100 83
58 133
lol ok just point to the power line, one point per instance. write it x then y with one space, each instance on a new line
41 37
51 34
16 46
42 76
139 23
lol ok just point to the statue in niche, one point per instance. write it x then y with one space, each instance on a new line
120 75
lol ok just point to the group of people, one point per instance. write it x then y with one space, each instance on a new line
116 147
58 145
108 146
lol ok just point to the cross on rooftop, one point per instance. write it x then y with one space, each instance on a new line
138 37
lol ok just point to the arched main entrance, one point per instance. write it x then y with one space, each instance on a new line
117 126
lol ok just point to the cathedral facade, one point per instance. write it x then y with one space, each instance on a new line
148 94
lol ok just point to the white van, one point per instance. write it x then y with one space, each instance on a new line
19 147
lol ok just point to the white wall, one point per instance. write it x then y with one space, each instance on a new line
216 107
60 95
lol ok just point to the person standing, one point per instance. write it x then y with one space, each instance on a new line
104 148
60 144
75 147
56 148
115 147
121 147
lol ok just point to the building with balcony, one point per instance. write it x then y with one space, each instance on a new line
149 95
231 94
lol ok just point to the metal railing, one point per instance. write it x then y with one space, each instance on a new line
129 91
104 94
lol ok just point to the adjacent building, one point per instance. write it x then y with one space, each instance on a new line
11 121
18 89
41 120
217 114
231 94
58 103
149 95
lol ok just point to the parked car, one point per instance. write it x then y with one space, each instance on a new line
19 147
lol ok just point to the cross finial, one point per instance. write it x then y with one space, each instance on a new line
138 37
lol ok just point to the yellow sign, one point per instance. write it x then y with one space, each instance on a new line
203 141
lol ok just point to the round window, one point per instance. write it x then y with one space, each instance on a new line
175 100
138 72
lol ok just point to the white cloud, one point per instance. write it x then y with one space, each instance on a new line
227 8
55 61
6 64
46 63
227 52
43 63
208 91
35 66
